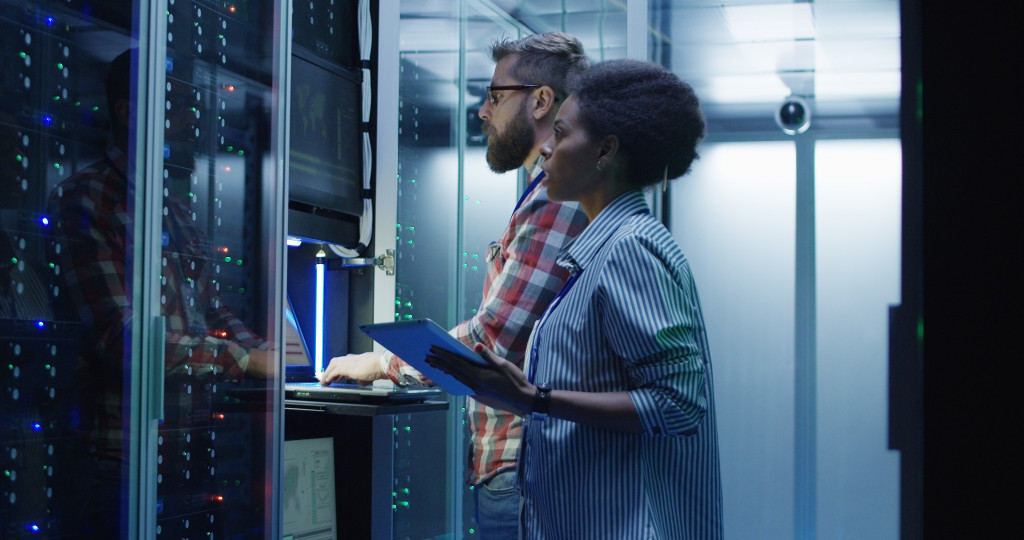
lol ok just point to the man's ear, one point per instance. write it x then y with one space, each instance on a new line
122 112
544 102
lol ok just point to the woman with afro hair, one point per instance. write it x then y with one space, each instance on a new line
617 392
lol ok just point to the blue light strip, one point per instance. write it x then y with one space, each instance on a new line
319 329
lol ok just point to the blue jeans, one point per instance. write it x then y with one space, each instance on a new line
497 507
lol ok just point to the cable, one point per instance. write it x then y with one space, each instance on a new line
366 220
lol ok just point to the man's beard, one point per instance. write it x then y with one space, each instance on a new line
508 150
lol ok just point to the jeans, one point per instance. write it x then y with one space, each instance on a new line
497 507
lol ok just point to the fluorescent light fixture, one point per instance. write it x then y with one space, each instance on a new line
318 347
765 88
294 241
773 22
830 86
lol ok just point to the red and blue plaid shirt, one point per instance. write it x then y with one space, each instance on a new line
522 279
93 234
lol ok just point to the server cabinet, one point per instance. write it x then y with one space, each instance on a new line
142 235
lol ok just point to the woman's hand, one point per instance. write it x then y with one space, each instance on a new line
500 384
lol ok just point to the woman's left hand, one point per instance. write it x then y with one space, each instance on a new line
500 384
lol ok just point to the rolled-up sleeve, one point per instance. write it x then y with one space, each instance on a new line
651 320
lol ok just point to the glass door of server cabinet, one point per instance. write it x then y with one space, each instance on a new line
141 220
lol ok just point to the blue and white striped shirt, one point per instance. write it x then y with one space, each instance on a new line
630 322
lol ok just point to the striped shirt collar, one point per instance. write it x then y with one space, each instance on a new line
578 253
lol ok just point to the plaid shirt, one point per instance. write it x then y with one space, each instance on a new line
94 226
522 279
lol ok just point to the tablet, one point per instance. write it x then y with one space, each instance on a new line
411 341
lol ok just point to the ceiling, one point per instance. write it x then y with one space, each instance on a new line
743 57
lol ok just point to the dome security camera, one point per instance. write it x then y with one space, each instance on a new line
793 115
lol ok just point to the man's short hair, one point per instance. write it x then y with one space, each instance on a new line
549 59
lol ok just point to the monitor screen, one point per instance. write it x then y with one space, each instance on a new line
308 494
326 138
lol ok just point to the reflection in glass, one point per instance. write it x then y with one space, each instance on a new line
858 194
734 218
64 348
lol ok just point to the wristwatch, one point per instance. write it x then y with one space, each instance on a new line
542 400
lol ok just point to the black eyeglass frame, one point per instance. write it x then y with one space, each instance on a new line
507 88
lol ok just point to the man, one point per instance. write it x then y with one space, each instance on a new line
528 84
205 342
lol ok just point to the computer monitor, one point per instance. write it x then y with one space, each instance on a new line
308 496
325 171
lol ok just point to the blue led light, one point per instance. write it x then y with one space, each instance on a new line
47 120
37 427
40 324
49 21
45 221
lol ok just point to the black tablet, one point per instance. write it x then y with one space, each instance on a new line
411 341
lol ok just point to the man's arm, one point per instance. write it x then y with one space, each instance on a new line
522 280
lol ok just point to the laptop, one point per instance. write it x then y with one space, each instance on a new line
301 382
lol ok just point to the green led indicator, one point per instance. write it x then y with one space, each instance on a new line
227 259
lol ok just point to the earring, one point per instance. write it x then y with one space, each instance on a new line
599 166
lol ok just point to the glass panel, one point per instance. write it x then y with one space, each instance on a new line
217 437
734 219
451 206
858 262
66 237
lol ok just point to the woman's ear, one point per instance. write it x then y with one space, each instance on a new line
544 102
607 149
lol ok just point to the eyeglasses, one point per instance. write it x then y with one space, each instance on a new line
511 87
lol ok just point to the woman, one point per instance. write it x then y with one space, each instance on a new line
620 439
